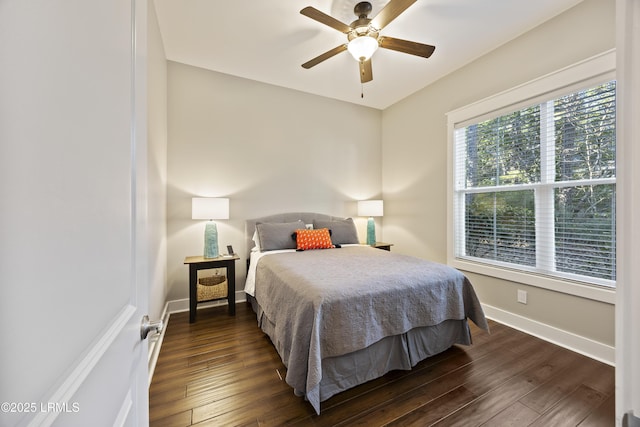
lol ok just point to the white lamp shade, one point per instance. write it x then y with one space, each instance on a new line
370 208
362 48
209 208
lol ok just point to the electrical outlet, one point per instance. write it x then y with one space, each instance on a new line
522 296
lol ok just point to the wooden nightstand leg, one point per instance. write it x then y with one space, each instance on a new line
231 288
193 297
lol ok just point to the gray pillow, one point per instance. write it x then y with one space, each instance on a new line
343 231
274 236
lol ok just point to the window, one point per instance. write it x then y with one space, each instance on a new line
534 184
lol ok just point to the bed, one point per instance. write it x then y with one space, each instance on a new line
345 315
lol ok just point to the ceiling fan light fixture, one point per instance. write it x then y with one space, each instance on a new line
363 35
362 48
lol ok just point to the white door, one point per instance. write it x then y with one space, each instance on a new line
628 290
72 213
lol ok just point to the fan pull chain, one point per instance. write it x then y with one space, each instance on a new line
361 90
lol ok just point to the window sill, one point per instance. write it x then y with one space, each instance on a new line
593 292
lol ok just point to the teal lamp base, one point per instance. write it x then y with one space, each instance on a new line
371 232
211 240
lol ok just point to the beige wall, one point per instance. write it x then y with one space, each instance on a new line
266 148
157 166
415 151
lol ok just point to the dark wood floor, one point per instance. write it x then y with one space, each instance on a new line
223 371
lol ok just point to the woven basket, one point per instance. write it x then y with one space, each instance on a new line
212 287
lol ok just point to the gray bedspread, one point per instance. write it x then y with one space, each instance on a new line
331 302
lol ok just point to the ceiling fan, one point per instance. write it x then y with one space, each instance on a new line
364 37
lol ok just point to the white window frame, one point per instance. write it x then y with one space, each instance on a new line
590 72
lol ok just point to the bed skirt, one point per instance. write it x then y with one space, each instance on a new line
398 352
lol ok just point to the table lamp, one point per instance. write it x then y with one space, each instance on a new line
210 208
370 208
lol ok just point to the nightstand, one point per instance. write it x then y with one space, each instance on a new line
382 245
200 263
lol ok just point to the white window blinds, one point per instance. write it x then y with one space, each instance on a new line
534 189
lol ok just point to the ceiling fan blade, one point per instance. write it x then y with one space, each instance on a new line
366 71
328 54
405 46
325 19
390 12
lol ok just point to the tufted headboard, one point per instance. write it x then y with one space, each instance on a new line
306 217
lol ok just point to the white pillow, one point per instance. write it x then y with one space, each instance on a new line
256 240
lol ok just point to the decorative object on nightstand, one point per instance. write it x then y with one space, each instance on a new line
370 208
210 208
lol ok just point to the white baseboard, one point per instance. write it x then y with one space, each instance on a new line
585 346
156 342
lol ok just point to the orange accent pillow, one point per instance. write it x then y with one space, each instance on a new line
313 239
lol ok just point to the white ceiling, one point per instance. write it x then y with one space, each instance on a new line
268 40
